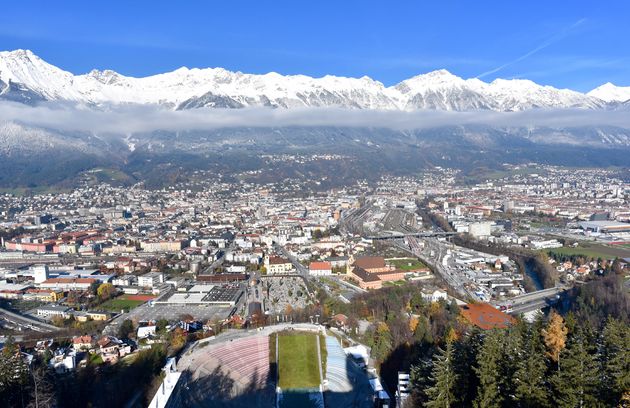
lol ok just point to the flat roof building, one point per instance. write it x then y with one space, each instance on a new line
605 226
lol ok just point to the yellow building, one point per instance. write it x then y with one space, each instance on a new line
44 295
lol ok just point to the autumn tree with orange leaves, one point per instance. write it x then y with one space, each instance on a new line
555 336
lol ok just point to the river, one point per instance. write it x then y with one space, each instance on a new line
529 271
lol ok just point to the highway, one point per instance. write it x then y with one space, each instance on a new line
28 322
532 301
405 236
532 296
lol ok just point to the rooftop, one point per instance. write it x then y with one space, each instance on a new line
486 317
320 266
370 262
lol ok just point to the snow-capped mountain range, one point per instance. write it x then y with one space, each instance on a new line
26 78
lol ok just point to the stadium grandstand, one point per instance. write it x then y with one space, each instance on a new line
245 369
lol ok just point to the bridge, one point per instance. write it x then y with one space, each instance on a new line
422 234
533 300
517 305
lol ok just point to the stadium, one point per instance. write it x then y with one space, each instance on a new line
283 366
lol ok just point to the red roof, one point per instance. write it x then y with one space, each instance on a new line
82 339
320 266
485 316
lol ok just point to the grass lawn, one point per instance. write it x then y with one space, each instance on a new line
298 365
407 264
120 303
593 251
96 359
395 283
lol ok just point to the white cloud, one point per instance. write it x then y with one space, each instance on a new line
134 119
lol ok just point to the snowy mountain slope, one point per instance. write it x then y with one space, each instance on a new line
188 85
17 92
22 140
27 78
444 91
611 93
521 94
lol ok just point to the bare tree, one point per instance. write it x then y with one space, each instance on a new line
43 388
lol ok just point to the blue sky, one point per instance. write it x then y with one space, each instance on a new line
572 44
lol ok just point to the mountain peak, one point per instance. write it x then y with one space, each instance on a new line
439 74
19 53
610 92
219 87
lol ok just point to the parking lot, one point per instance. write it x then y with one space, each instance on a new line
170 313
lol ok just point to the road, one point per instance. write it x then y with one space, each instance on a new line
301 269
29 322
532 301
219 261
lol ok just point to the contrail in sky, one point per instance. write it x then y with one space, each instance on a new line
553 39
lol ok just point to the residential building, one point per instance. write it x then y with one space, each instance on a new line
48 311
434 296
151 279
320 269
278 265
85 342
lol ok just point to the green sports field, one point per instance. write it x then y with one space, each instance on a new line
407 264
298 365
120 303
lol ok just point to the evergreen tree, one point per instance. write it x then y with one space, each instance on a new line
530 376
489 392
13 373
464 362
575 386
512 354
616 361
442 394
420 378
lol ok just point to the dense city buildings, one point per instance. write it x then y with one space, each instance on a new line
114 263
